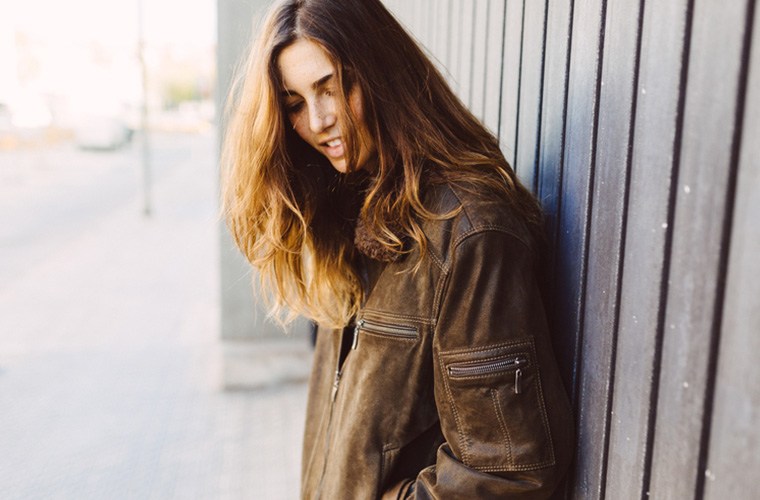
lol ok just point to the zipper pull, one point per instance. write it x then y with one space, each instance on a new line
355 343
336 382
518 379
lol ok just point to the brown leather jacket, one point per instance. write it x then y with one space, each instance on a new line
448 387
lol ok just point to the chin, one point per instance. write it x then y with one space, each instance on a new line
339 165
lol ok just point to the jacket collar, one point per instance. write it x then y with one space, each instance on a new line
367 243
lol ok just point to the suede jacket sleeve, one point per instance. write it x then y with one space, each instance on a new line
503 409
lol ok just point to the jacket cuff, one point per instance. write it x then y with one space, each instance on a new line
400 491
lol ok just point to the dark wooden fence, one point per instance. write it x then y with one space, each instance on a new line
637 124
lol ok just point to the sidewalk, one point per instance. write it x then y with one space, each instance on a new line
109 353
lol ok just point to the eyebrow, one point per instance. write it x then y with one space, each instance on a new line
317 84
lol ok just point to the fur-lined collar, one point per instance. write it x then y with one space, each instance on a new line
366 242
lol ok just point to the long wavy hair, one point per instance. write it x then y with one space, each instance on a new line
290 213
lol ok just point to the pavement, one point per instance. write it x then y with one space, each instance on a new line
110 357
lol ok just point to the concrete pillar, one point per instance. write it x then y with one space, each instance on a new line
255 351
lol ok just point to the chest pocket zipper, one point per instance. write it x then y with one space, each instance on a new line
373 327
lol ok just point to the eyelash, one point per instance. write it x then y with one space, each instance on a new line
295 108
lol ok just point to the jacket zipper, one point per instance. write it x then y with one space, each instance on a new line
494 366
362 324
328 432
398 331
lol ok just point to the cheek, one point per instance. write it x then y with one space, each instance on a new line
355 103
301 125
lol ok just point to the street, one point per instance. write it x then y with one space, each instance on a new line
109 335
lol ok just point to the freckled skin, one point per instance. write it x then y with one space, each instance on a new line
311 102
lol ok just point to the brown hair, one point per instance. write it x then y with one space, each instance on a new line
290 213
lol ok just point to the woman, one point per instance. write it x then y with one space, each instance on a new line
371 200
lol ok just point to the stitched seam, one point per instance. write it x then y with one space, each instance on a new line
500 418
383 314
544 413
387 336
489 227
464 209
462 442
492 347
438 297
435 258
514 468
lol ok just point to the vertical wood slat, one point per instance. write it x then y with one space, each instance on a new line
409 8
657 129
510 79
417 19
449 37
531 85
455 57
466 43
552 141
423 14
616 101
735 434
479 53
423 26
495 53
401 11
440 23
429 14
571 245
703 181
398 11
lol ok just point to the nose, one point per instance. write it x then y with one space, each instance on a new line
322 115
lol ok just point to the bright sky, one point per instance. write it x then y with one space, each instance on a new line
181 22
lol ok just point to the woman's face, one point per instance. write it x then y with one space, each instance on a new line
312 104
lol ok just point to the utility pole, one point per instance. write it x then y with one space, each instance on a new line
144 139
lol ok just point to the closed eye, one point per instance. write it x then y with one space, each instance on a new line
294 107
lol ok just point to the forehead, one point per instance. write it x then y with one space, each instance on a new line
303 63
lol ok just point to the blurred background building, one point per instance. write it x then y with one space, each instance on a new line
69 66
114 379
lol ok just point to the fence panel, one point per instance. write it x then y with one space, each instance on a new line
647 240
510 82
735 434
552 140
479 54
616 116
705 179
626 119
531 88
495 54
577 175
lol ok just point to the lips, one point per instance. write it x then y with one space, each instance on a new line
333 148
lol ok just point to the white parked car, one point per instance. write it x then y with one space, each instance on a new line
102 132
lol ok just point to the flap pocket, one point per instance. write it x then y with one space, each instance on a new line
497 402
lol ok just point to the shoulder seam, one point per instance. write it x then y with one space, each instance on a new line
488 228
